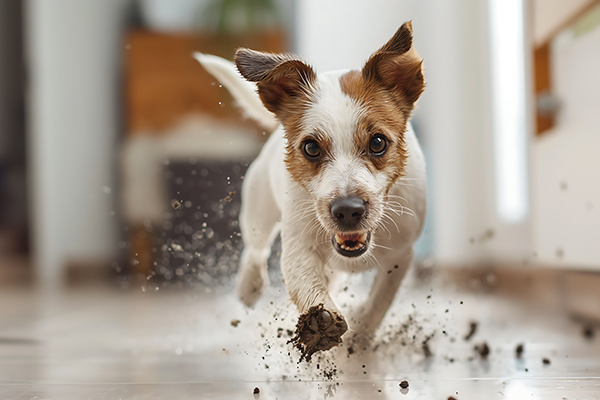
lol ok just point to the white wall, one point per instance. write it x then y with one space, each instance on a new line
566 160
73 53
342 34
550 15
453 114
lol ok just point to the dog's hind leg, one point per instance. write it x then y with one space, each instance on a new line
258 224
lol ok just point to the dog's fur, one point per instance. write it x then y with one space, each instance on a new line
287 190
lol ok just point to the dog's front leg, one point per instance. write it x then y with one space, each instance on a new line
385 285
320 325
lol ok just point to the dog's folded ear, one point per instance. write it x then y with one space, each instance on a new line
281 78
397 65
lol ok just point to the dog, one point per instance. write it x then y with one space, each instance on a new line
342 178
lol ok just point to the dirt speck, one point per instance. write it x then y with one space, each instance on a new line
318 329
588 332
519 350
425 346
404 384
483 350
472 330
256 390
546 361
235 322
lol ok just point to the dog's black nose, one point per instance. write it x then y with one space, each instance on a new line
348 211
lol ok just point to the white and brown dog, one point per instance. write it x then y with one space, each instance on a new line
342 177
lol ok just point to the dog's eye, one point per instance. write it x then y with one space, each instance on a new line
378 145
311 150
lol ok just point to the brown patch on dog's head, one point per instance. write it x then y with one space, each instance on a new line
388 86
301 169
398 68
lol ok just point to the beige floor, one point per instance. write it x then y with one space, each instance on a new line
167 344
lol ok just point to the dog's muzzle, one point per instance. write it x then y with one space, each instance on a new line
348 213
351 244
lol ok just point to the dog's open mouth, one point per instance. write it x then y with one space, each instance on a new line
351 244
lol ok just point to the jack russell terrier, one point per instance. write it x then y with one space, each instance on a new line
342 178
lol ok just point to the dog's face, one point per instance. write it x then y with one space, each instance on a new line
344 131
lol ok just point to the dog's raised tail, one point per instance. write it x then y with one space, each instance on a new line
243 92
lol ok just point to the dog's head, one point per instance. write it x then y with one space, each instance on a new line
344 131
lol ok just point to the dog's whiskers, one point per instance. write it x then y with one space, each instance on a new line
402 209
381 225
370 256
302 214
313 222
382 246
392 219
398 197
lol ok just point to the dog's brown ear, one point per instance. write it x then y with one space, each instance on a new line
397 65
281 78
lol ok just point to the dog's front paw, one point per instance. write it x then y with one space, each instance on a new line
318 329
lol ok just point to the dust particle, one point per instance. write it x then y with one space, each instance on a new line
175 204
564 185
426 350
235 322
472 331
256 390
546 361
483 350
588 332
404 384
519 350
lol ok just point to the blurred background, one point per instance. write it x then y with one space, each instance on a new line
121 158
118 152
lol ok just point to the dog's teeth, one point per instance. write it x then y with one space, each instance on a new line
358 239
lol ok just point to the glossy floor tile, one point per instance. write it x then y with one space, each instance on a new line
152 343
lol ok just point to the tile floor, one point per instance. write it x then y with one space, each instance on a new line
169 344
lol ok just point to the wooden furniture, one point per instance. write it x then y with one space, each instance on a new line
163 84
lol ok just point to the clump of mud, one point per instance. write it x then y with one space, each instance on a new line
318 329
